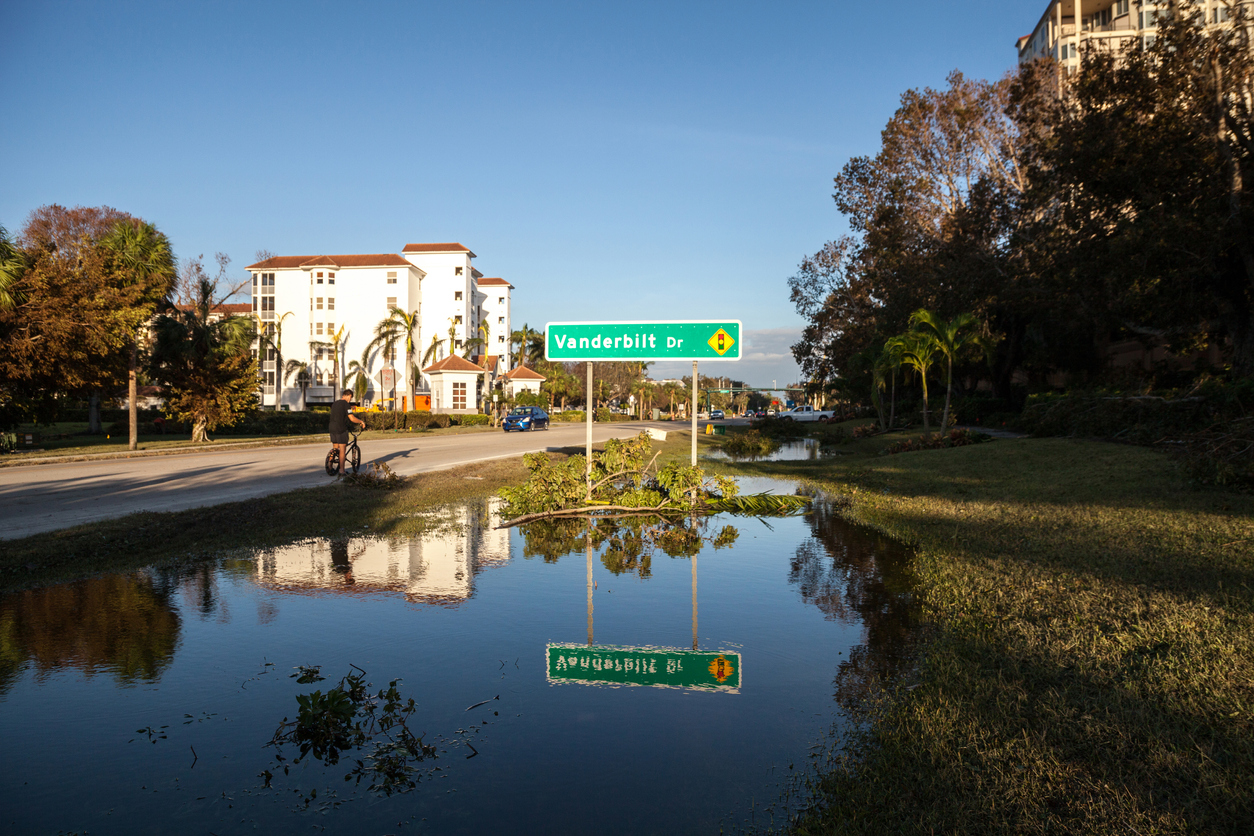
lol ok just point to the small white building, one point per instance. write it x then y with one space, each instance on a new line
318 309
522 379
454 385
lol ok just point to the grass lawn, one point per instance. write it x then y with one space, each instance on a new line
1088 664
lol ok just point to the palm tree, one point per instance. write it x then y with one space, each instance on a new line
359 373
399 327
949 338
12 266
143 258
521 338
470 345
303 377
888 363
485 335
918 352
339 350
270 335
432 353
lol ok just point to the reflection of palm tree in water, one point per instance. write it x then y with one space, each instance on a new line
341 562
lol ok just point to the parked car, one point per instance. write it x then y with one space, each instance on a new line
526 418
807 413
716 413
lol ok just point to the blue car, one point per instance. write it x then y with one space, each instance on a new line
526 418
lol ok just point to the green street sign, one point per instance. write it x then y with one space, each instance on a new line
655 667
703 339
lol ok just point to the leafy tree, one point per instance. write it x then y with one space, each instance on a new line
399 328
74 317
206 363
432 354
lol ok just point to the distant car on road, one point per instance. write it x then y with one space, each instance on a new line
716 413
526 418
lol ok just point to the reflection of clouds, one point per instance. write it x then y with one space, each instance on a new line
435 567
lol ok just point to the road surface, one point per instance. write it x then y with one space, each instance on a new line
46 497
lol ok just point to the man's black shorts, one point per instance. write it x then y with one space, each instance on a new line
339 438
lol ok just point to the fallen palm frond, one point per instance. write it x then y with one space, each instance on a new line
759 504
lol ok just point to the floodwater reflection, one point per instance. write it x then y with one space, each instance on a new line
125 625
438 566
550 687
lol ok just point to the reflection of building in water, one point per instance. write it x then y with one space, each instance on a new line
435 567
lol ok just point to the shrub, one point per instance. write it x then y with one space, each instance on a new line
779 427
750 443
472 420
604 416
570 416
937 441
865 430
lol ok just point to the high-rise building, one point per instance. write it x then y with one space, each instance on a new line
1069 26
313 305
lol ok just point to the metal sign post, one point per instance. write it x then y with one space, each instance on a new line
588 421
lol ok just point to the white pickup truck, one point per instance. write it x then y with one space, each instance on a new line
807 413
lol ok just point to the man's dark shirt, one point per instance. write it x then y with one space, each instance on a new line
339 416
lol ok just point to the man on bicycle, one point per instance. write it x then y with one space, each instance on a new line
341 414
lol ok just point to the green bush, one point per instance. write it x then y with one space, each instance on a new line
570 416
604 416
779 427
472 420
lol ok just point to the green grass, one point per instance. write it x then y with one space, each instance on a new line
1088 664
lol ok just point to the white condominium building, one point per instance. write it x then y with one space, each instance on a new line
310 304
1067 26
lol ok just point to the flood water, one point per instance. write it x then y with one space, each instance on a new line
627 690
793 450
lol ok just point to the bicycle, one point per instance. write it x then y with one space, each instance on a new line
352 455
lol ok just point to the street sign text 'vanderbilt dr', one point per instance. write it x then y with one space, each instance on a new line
666 340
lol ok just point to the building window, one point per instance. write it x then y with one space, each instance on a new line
318 303
457 320
391 277
319 326
391 303
330 278
500 320
267 303
459 396
330 303
1149 19
457 271
501 338
1223 14
1121 7
457 295
500 300
330 327
459 344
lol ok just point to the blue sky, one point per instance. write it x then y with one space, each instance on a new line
612 160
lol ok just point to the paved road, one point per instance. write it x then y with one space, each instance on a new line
46 497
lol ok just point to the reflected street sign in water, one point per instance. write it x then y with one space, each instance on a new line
657 667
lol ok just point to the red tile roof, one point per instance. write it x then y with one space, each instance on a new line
524 373
453 363
289 262
493 281
437 248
